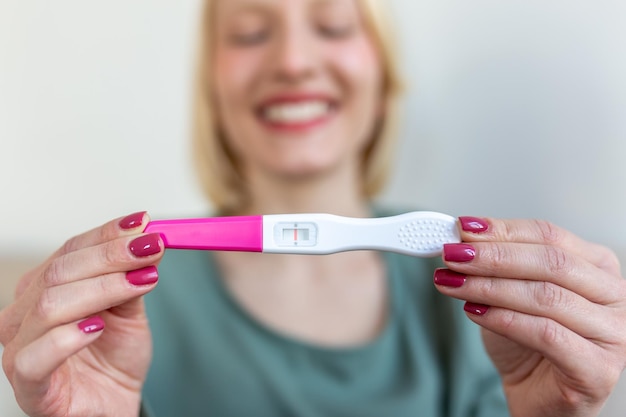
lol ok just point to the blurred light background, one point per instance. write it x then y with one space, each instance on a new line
515 109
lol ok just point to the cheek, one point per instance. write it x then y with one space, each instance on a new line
360 70
359 64
232 78
233 74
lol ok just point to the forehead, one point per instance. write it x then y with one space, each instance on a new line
234 6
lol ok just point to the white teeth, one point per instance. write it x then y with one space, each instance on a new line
296 112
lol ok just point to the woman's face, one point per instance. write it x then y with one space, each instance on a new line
297 84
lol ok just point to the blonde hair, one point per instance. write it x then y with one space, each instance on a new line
217 167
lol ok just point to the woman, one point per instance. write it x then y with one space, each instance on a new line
294 109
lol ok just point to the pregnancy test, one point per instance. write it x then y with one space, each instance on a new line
418 233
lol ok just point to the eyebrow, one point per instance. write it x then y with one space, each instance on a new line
235 8
241 6
330 2
333 4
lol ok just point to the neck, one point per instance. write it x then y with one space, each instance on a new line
339 193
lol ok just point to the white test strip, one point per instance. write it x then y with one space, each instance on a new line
420 233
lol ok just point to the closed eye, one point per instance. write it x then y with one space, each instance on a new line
336 31
250 38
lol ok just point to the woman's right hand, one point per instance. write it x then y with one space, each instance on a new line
58 356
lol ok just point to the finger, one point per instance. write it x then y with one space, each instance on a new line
34 364
537 263
476 229
120 255
568 351
536 298
123 226
63 304
57 268
131 224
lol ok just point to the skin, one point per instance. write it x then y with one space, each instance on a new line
301 48
54 367
553 328
266 50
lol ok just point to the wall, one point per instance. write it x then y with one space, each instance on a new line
514 109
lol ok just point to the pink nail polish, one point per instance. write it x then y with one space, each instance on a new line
132 220
91 325
476 309
458 252
143 276
145 245
473 224
449 278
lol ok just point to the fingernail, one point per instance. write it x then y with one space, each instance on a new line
449 278
473 224
143 276
145 245
458 252
91 325
132 220
476 309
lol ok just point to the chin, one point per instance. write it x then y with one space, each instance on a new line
310 170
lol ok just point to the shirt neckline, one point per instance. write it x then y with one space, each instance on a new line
285 338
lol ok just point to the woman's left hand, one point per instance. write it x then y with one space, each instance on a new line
553 311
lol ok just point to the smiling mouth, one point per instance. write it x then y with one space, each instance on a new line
300 113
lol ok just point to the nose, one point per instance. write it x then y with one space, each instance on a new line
295 56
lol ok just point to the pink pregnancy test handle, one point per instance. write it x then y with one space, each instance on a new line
235 233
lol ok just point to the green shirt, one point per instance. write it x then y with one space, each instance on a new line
211 358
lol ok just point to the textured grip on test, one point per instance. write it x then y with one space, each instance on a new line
426 236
